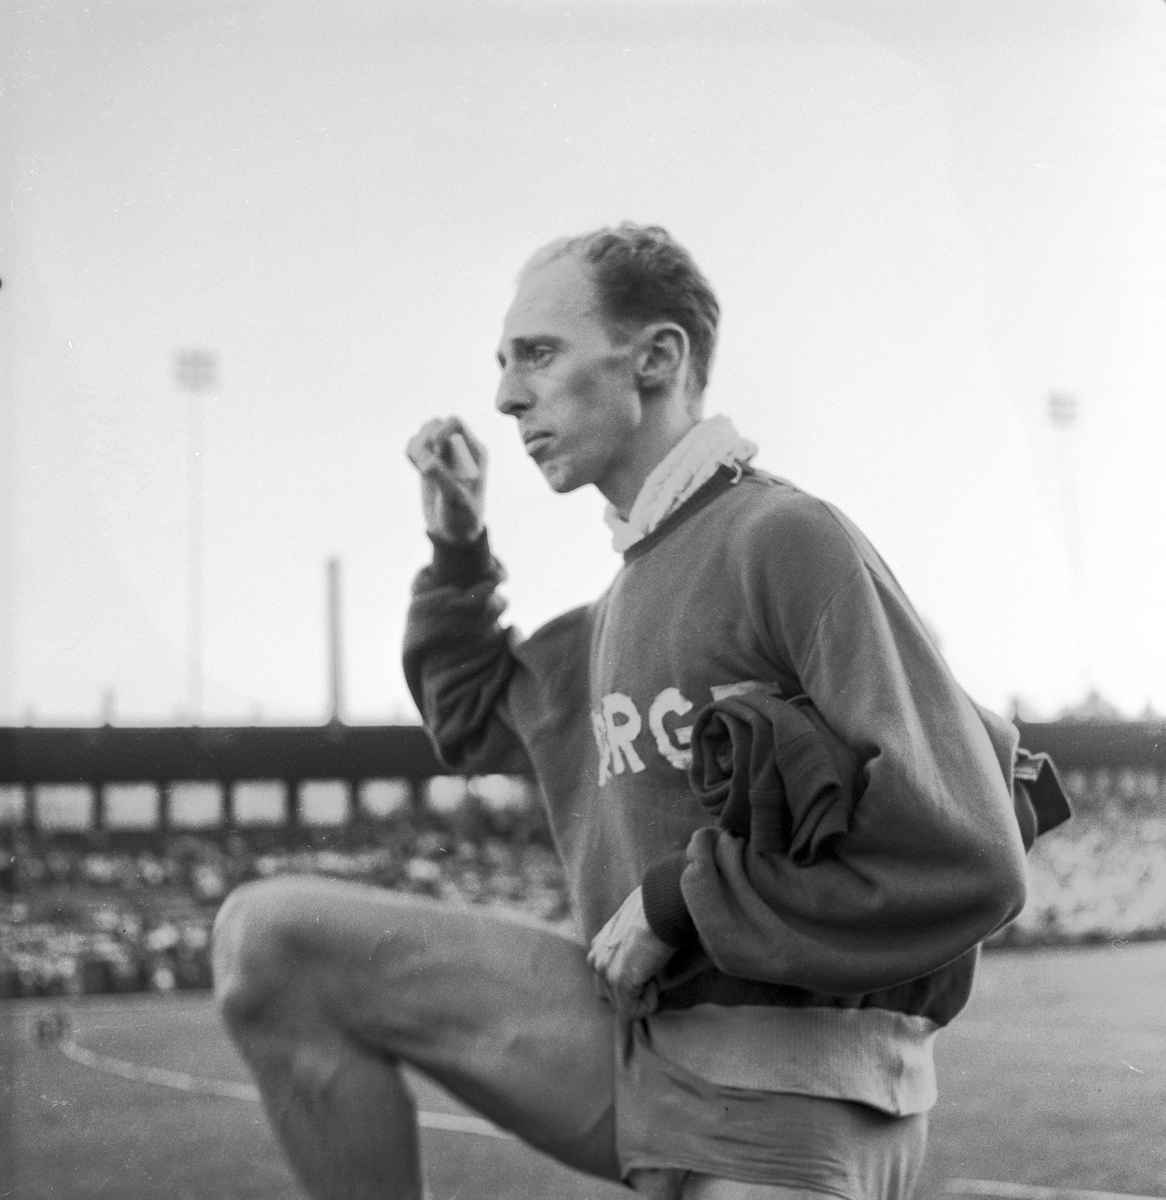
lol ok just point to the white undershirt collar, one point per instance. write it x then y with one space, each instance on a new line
689 464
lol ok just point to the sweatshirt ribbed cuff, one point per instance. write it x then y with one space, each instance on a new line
664 905
458 564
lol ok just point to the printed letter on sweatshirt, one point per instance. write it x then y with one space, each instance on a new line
601 741
621 734
670 700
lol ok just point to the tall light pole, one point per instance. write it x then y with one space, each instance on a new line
15 188
334 644
8 341
196 372
1063 411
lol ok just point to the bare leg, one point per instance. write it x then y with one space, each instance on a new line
326 986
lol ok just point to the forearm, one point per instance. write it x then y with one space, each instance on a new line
898 864
836 927
458 659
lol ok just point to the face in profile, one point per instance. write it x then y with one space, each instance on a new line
568 377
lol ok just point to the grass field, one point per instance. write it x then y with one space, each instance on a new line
1055 1076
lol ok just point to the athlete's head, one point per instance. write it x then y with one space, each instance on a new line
605 354
642 274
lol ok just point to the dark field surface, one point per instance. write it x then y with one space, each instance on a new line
1055 1076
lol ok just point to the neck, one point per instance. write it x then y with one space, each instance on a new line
663 425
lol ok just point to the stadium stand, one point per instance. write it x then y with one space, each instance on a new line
117 846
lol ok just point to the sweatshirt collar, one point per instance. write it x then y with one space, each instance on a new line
689 464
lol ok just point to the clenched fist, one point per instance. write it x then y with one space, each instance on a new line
625 956
452 465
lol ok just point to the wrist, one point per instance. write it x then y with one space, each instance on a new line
458 537
461 564
665 911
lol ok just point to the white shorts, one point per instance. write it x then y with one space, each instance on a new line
670 1120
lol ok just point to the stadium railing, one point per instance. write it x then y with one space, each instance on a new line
1127 757
1104 762
165 758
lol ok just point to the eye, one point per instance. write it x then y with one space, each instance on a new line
539 356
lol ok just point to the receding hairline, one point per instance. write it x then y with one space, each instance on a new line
568 247
574 248
545 255
640 274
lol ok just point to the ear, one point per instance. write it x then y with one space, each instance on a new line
662 356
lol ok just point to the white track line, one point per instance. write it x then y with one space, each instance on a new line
1029 1191
196 1086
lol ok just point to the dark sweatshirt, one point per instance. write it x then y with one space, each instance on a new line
748 581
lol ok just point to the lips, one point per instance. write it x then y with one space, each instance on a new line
534 442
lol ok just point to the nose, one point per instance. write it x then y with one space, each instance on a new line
512 399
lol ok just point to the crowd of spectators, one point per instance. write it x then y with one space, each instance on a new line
78 917
1101 877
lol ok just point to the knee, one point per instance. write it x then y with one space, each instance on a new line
258 951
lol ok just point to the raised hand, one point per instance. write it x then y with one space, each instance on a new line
452 466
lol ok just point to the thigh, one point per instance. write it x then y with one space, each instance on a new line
499 1009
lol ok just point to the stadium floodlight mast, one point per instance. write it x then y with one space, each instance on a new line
1064 410
196 372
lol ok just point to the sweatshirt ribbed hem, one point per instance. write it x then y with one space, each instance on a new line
868 1055
457 564
664 906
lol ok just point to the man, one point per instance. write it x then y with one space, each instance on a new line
738 1021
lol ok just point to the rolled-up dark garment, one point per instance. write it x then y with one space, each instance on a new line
769 769
1039 795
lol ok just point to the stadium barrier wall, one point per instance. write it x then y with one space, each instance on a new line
97 760
1126 759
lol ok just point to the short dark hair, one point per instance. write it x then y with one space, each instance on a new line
643 274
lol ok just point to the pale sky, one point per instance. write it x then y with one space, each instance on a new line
920 219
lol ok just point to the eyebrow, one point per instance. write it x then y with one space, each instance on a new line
524 345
